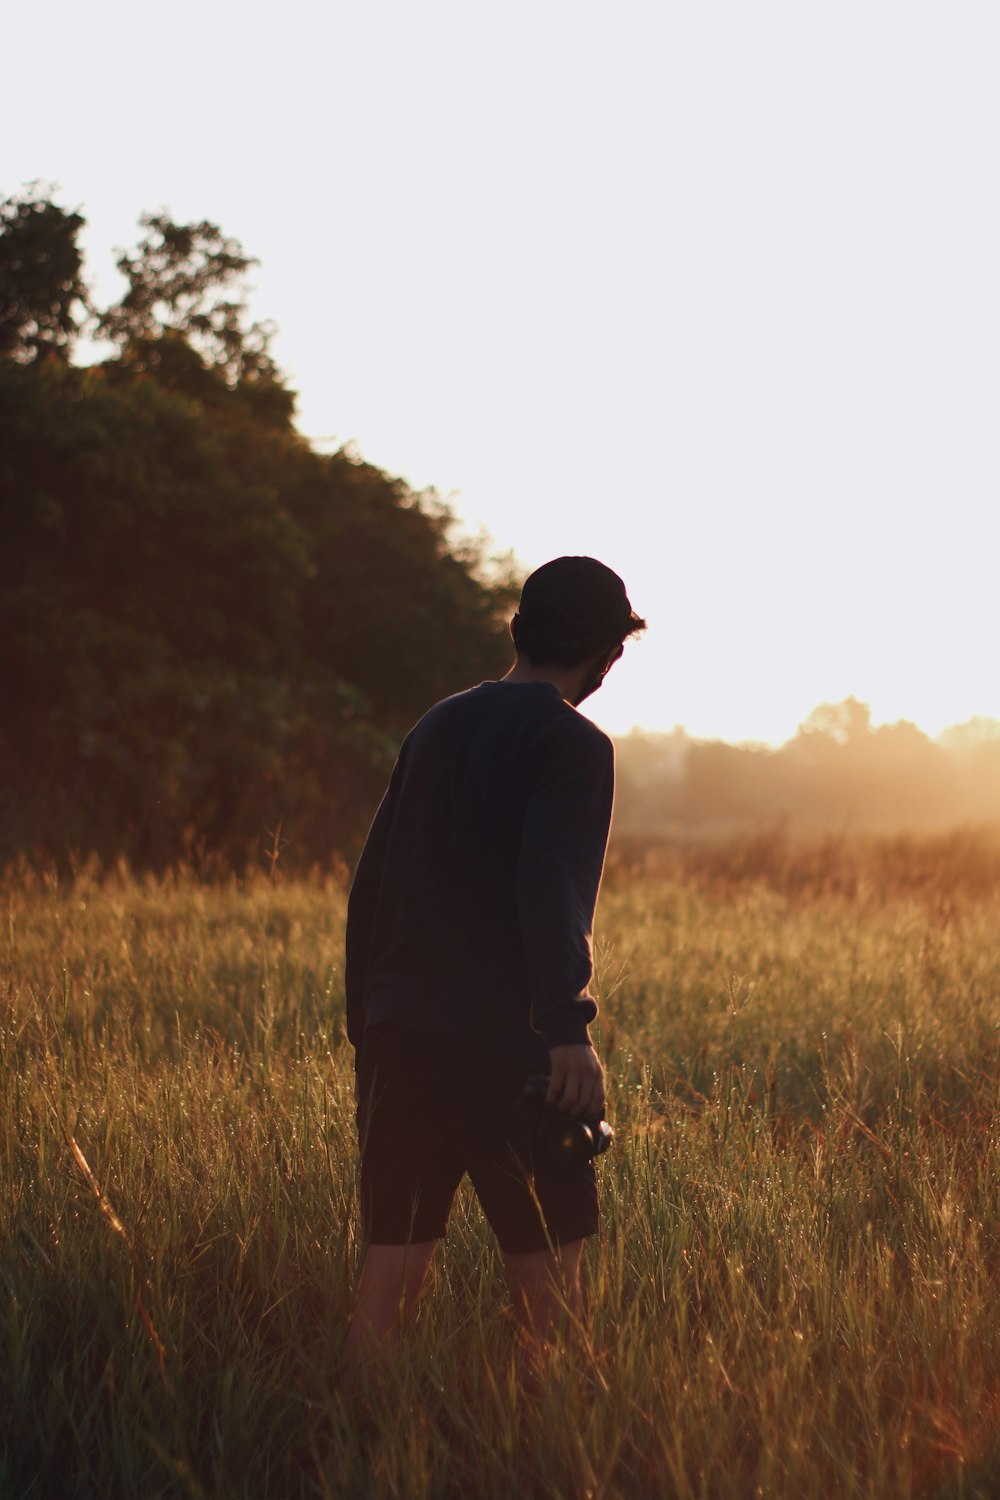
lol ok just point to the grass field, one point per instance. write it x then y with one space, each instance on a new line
795 1293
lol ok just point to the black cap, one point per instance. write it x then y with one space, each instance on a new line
577 602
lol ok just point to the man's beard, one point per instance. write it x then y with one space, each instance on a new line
591 683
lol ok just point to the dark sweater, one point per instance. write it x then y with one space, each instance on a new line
473 902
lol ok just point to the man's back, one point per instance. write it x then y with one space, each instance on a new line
471 909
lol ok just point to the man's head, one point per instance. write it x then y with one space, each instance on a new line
574 612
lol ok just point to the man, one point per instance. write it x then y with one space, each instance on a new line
469 956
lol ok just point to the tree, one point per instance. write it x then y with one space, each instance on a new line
207 629
409 618
187 280
848 723
975 733
41 288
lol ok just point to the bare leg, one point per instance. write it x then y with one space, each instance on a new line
545 1286
390 1284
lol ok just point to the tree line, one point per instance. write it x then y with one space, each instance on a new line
838 773
212 636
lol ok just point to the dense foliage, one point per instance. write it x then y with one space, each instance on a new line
211 636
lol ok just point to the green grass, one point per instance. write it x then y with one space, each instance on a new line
794 1295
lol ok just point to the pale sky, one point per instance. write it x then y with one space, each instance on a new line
710 291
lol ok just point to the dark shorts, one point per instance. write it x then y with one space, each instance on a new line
431 1109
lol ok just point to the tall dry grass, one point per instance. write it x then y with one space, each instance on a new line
795 1293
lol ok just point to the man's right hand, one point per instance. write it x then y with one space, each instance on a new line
576 1084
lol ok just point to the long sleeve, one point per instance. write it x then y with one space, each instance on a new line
471 911
362 906
561 859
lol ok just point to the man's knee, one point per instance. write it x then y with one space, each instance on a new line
546 1280
388 1288
395 1272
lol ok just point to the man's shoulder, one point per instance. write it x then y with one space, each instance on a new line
469 700
512 730
537 704
579 737
452 714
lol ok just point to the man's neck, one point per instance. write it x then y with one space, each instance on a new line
566 680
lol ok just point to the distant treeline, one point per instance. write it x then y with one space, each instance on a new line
838 774
212 637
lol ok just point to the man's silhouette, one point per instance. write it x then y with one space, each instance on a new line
469 956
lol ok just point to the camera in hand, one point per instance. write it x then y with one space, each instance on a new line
566 1137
